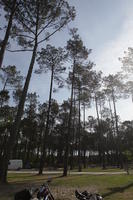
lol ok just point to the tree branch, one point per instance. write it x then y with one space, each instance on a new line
29 29
19 50
52 33
21 35
44 27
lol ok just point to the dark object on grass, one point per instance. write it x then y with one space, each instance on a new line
43 193
23 195
87 196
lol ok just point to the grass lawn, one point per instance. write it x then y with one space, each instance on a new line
112 187
91 169
99 169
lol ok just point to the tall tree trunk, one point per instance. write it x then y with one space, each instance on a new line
111 114
101 142
24 93
73 136
118 148
7 34
84 115
79 138
66 154
59 157
84 161
16 125
115 113
37 154
43 156
71 158
84 150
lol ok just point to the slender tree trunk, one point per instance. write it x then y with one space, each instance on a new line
43 156
28 151
79 138
7 34
115 114
71 157
4 87
59 157
111 114
37 155
73 136
69 126
84 151
15 150
84 115
118 148
84 158
97 109
24 153
101 142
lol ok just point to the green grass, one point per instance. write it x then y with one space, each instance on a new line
112 187
26 178
91 169
99 169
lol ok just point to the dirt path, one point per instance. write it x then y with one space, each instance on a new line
72 173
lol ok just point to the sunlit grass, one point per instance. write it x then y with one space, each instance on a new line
99 169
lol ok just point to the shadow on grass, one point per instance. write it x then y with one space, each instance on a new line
8 189
117 189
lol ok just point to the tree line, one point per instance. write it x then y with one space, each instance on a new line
53 134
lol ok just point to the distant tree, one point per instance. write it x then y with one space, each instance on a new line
4 97
11 77
115 85
41 121
126 131
100 101
51 59
127 60
129 89
31 125
77 52
84 77
6 120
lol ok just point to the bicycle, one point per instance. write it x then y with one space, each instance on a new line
42 193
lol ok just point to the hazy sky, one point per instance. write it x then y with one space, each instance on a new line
106 26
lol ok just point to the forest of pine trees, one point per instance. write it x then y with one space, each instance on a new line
56 134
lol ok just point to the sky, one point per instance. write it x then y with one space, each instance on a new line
106 27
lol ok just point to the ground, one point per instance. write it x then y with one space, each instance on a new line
112 187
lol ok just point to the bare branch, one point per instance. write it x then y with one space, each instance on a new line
27 26
44 27
21 35
46 38
19 50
